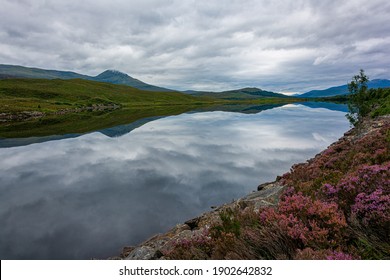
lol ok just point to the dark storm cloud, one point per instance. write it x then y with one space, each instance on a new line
279 45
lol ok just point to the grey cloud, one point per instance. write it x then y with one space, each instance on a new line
280 45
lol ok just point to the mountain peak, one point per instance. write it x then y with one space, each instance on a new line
109 76
251 89
112 72
117 77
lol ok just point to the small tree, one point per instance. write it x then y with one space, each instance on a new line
358 90
358 85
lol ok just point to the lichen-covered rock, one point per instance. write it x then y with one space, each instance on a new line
142 253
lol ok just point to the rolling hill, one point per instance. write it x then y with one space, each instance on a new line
47 95
239 94
341 90
108 76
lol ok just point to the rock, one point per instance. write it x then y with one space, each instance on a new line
193 223
181 227
267 196
261 186
126 251
21 116
142 253
158 255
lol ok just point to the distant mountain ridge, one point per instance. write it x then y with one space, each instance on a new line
257 92
238 94
108 76
341 90
120 78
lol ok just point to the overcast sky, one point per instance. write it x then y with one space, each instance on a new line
285 46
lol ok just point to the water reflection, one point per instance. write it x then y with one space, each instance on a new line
89 196
120 130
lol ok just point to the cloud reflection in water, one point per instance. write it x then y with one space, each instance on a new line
89 196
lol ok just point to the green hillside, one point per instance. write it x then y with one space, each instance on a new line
52 95
108 76
241 94
36 107
15 71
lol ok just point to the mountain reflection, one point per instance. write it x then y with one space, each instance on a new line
120 130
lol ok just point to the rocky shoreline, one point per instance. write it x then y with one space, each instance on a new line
267 195
154 247
30 115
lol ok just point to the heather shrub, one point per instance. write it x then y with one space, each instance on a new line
254 240
373 210
228 246
360 185
310 254
341 158
374 207
196 247
337 255
312 223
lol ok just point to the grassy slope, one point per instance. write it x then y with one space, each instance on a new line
108 76
229 95
242 94
14 71
52 95
378 101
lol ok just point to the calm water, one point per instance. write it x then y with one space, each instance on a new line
88 196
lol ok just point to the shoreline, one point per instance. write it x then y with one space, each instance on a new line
30 115
267 195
